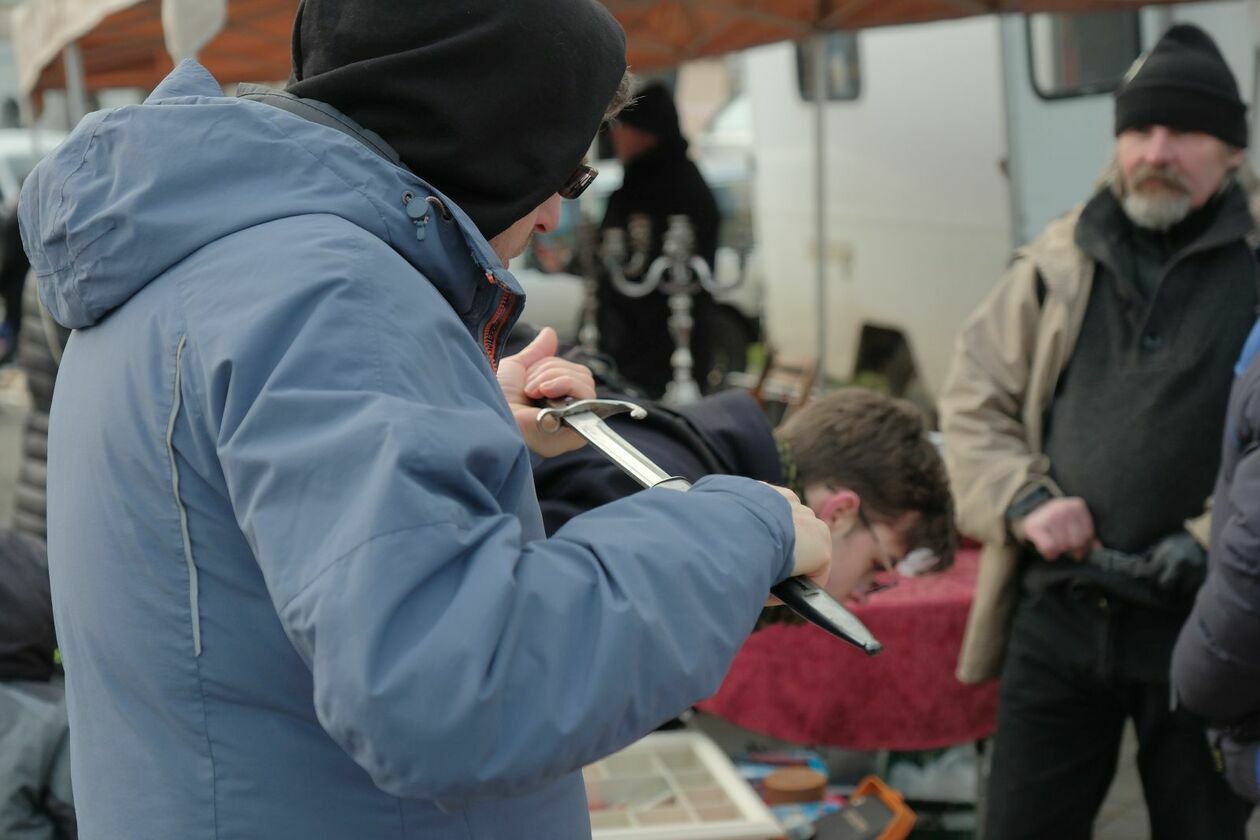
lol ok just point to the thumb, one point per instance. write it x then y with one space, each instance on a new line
543 346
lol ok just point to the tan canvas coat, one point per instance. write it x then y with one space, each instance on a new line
1007 363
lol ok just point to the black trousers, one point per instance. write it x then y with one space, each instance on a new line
1078 665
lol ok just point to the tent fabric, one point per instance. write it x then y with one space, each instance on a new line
123 43
41 29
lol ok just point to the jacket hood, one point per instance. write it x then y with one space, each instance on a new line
135 190
493 102
654 112
27 640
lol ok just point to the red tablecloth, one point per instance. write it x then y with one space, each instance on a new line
796 683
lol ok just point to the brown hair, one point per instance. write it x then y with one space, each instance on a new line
622 97
877 446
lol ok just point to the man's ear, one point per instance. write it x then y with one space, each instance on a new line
840 508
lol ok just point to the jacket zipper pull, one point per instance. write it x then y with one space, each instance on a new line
418 212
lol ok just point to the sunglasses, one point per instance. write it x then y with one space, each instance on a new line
577 183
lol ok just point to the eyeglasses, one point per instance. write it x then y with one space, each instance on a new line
886 577
577 183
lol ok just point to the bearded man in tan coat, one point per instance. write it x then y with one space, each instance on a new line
1082 421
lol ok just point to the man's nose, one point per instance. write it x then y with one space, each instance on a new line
549 218
1159 149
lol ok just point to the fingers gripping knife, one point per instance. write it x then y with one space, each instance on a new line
804 597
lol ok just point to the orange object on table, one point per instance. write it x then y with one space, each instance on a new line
903 818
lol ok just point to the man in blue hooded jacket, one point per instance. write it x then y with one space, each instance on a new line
298 567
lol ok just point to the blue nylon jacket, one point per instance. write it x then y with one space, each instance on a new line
298 567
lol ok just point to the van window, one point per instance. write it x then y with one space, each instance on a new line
843 70
1081 55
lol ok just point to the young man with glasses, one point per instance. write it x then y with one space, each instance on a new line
300 578
859 459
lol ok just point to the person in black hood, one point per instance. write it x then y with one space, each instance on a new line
35 799
435 85
660 181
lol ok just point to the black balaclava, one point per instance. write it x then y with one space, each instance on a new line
494 103
1183 83
27 640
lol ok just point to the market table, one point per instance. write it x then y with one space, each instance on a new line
798 684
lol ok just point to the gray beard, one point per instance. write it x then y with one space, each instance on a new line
1158 213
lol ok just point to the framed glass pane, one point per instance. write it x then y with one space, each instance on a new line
843 68
1081 55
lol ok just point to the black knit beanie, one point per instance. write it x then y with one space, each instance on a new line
1183 83
653 111
494 103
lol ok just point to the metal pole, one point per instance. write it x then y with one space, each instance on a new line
1011 88
76 86
820 200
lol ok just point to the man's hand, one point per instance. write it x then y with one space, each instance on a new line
812 555
1058 527
536 373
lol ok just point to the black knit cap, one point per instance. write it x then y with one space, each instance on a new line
494 103
653 111
1183 83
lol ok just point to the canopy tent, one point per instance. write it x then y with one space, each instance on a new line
122 43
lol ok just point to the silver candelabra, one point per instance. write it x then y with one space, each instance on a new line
678 274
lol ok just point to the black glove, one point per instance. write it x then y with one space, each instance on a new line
1176 564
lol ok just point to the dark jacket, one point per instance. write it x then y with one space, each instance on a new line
1216 663
39 353
634 331
13 269
1145 391
35 800
723 434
